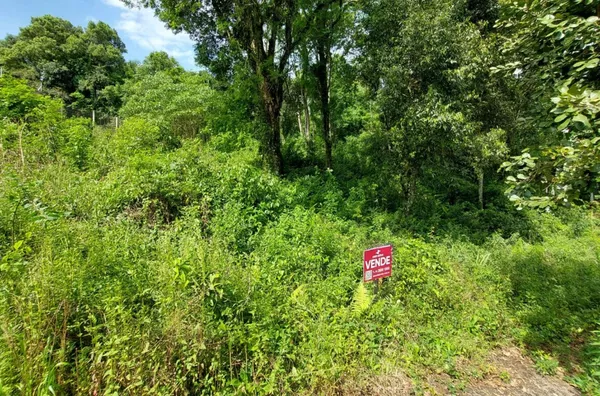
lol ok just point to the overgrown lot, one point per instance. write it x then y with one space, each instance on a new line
192 270
171 231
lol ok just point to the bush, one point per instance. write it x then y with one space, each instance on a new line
78 140
176 103
234 280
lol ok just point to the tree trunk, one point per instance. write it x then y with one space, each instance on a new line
300 128
21 128
274 145
321 73
94 101
272 98
410 190
480 176
306 118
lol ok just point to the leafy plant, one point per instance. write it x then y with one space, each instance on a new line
544 363
361 300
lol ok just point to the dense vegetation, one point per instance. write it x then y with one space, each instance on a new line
210 239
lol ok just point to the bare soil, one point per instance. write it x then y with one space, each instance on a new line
510 374
516 376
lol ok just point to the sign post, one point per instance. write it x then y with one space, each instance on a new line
377 263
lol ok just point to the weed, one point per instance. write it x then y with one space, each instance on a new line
545 363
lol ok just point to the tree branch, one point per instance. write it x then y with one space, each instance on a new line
290 43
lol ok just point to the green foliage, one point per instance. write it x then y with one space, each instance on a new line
436 99
361 300
66 61
160 257
178 104
553 44
77 141
34 127
539 35
544 363
230 285
565 174
158 62
589 381
17 99
139 135
260 37
41 52
566 268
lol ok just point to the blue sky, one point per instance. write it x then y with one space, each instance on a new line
141 31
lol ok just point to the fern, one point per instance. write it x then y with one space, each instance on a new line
361 300
299 295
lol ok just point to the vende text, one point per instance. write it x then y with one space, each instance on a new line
377 263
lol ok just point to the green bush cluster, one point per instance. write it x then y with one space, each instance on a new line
190 270
138 261
34 128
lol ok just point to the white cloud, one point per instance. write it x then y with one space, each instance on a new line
115 3
145 29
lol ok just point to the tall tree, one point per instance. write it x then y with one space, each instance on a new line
100 51
428 66
67 61
158 61
263 33
39 53
323 38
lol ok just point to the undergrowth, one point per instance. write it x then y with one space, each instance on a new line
139 266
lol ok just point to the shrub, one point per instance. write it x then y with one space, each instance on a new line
78 140
233 280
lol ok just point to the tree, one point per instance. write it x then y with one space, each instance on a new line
177 104
263 34
428 67
298 100
553 49
66 61
322 39
39 53
102 64
159 61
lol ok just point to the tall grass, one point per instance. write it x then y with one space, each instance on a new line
187 270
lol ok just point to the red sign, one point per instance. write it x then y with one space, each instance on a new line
377 263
